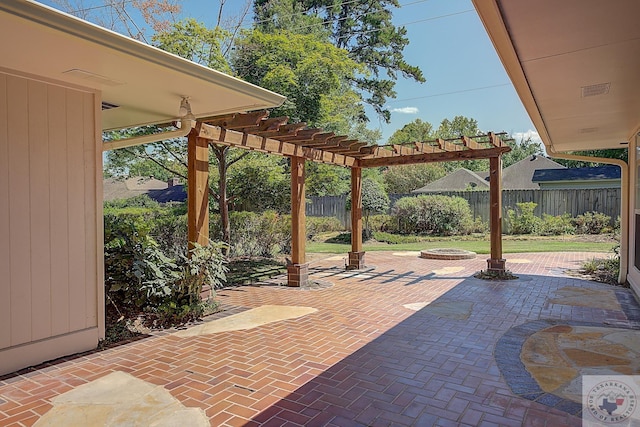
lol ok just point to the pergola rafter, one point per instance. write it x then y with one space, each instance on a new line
256 131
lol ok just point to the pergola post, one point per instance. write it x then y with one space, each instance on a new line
198 190
298 270
496 263
356 256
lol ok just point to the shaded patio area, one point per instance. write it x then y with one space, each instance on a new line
405 341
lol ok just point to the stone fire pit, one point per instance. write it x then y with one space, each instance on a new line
447 253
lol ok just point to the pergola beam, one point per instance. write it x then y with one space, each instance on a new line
238 121
269 145
446 156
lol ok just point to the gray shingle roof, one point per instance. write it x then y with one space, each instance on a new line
160 191
577 174
519 175
459 180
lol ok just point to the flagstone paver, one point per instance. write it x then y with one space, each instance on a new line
362 358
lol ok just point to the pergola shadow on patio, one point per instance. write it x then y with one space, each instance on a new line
255 131
413 342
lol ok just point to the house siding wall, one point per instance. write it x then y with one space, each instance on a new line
633 271
50 222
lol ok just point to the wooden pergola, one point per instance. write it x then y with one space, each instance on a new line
256 131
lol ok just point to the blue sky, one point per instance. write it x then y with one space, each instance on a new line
448 42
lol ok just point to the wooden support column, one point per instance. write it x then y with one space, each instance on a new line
198 190
496 263
298 270
356 256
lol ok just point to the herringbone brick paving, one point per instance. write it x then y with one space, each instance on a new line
362 359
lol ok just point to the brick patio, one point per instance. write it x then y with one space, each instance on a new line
362 359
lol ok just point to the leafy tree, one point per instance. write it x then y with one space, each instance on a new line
364 28
455 128
404 179
305 69
261 182
326 180
273 15
192 40
415 131
520 150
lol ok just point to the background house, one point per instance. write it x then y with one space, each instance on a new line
590 177
518 176
160 191
459 180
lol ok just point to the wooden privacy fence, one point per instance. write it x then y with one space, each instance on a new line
552 202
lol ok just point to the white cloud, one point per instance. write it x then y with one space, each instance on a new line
405 110
523 136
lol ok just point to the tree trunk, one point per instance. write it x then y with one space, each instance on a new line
223 202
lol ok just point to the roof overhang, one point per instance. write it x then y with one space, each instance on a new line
145 83
575 65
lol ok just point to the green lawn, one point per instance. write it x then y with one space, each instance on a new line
559 244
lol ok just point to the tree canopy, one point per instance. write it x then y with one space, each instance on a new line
363 28
192 40
309 72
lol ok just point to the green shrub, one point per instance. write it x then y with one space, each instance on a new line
170 231
141 201
433 214
592 223
385 223
167 224
479 226
604 270
255 234
140 277
523 220
556 225
133 262
322 224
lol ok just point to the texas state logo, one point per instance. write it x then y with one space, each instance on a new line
610 400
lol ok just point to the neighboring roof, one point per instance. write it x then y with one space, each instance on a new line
145 83
458 180
177 193
160 191
578 76
519 175
578 174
